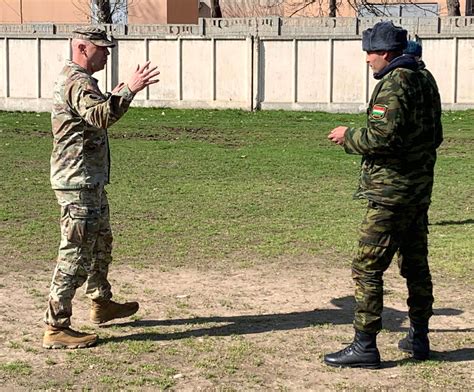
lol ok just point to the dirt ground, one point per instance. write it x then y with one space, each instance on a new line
260 327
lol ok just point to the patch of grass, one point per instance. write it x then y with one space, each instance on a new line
16 369
196 187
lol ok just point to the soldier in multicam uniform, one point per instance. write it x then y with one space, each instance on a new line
398 148
80 167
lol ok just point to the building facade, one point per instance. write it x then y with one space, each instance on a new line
83 11
188 11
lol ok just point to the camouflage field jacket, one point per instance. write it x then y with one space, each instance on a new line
400 141
80 117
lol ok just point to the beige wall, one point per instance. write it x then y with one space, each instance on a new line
43 11
246 8
9 11
77 11
148 11
169 11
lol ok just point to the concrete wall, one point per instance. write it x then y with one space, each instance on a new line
268 63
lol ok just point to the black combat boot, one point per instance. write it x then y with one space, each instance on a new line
416 342
362 352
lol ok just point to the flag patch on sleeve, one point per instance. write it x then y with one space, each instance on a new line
378 111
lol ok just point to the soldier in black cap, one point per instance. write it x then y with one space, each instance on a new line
80 168
398 148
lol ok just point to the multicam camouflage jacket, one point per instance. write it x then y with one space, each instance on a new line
400 141
80 118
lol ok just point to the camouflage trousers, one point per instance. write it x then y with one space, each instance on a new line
383 233
84 252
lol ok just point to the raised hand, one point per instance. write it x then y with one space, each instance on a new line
143 76
337 135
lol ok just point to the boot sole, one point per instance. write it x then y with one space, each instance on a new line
64 346
355 365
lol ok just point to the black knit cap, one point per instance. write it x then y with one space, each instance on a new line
384 36
96 35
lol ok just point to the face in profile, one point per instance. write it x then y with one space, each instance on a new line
97 57
377 60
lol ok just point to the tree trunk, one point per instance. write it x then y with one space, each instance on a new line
104 14
454 8
215 9
332 8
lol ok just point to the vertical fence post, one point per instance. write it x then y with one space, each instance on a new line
38 67
455 69
7 69
147 57
180 68
250 72
331 71
214 69
295 71
258 74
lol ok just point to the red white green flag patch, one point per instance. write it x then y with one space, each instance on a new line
378 111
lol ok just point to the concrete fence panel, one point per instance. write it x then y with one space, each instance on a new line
130 54
348 72
197 70
465 66
232 71
23 68
268 63
442 66
278 71
53 55
313 71
165 54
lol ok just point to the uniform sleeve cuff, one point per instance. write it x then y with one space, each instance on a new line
126 93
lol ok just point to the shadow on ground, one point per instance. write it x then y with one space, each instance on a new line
252 324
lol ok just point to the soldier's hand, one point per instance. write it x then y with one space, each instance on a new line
337 135
143 76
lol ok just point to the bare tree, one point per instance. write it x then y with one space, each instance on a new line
454 8
216 9
331 8
103 11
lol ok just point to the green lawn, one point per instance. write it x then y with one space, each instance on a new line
214 187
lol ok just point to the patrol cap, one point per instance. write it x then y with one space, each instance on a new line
413 48
384 36
96 35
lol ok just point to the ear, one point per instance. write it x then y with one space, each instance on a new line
82 48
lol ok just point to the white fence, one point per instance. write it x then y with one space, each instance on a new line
267 63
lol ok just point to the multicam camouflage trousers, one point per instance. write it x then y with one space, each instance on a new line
84 252
383 233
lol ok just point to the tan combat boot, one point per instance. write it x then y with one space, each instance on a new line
60 337
106 310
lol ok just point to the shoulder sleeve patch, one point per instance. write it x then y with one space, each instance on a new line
378 111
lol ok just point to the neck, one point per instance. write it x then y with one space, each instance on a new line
82 62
